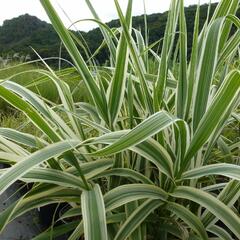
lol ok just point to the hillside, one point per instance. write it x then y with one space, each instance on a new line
18 34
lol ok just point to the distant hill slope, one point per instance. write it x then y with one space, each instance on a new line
18 34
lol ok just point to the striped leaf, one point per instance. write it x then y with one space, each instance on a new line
228 195
149 149
216 207
182 81
107 38
22 138
127 173
131 192
118 84
136 218
94 216
81 66
146 129
206 71
35 101
138 64
188 217
18 170
33 114
220 232
222 102
224 169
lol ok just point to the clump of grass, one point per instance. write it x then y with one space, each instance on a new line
18 121
26 74
136 159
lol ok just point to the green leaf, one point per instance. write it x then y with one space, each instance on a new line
18 170
220 232
39 104
157 154
193 64
160 86
137 63
216 207
57 231
144 130
131 192
118 84
94 216
182 81
230 48
67 101
107 38
9 158
129 209
77 233
33 114
192 220
81 66
229 195
125 172
136 218
149 149
224 169
40 195
22 138
206 71
222 102
52 176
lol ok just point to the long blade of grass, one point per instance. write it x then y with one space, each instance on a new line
129 209
229 195
94 216
146 129
52 176
206 70
81 66
223 169
57 231
227 93
228 24
187 216
22 138
18 170
127 173
67 101
40 105
182 81
229 48
33 114
160 85
131 192
193 64
220 232
138 65
109 41
136 218
118 83
149 149
219 209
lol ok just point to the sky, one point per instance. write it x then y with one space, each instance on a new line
77 9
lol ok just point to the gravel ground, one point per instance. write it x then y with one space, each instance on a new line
22 228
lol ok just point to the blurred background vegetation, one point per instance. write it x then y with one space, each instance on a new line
18 34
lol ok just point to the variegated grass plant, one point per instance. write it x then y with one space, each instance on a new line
138 159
